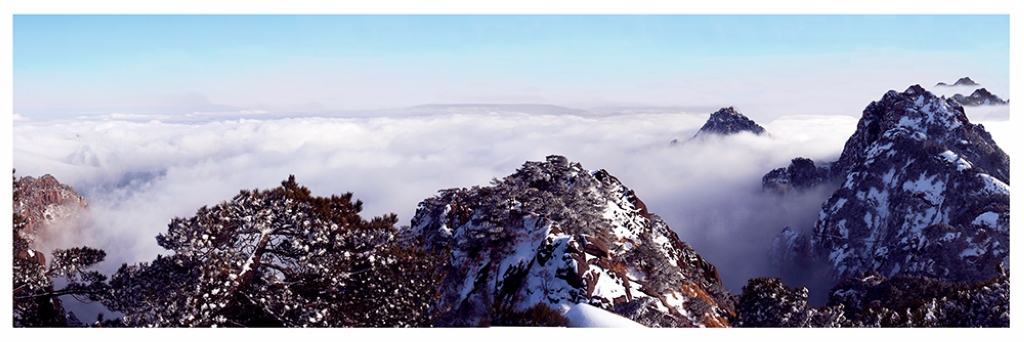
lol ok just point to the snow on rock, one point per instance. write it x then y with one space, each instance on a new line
994 186
988 219
953 158
556 234
920 184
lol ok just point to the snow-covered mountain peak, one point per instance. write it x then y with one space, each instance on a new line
924 192
556 234
919 115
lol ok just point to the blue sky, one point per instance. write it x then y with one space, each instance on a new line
70 65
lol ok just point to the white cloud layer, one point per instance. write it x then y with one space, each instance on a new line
138 175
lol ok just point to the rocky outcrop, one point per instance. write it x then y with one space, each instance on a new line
980 97
44 201
556 234
924 192
801 174
728 121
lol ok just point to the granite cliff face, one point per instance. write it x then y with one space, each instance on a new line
924 192
44 202
559 235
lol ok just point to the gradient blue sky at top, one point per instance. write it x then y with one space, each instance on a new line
98 64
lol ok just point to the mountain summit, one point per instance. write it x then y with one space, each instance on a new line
555 235
924 192
728 121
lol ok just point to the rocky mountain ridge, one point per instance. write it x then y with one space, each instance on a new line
980 97
557 234
963 81
924 192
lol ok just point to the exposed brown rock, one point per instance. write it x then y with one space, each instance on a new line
594 246
581 265
640 205
591 279
44 201
649 291
35 256
710 271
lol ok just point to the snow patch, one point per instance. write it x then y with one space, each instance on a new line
953 158
839 204
588 316
988 218
633 274
843 231
618 216
993 185
929 187
880 200
887 178
445 230
911 124
877 150
971 251
606 286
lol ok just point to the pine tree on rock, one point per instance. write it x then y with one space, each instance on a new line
36 301
278 257
767 302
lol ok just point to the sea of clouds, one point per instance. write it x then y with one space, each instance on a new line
139 171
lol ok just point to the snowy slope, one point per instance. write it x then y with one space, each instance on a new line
557 234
